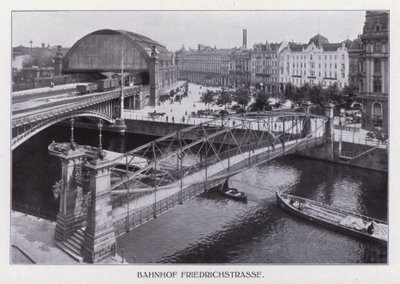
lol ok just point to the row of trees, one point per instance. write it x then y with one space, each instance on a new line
320 96
315 94
241 96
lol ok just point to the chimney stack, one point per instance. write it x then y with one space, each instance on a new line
244 39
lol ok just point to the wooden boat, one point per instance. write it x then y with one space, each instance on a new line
234 194
334 218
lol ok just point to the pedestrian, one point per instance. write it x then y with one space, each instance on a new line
183 119
166 118
173 119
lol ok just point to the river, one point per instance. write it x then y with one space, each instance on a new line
212 229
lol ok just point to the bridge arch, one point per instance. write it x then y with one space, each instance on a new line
19 139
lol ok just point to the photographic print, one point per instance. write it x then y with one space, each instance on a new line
200 137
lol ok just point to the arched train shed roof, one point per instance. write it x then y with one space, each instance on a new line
105 50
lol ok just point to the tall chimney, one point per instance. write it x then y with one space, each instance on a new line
244 39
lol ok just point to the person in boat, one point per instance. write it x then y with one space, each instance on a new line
371 228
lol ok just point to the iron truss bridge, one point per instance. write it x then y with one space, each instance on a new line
205 155
28 122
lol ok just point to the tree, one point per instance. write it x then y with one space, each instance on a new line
261 102
349 93
224 98
291 93
207 98
303 93
334 95
317 95
242 97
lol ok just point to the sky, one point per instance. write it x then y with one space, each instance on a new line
188 28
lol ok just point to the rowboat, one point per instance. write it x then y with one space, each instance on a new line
351 223
234 194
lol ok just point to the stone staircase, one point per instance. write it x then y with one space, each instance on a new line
73 245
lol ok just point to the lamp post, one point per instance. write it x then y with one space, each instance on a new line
100 126
72 120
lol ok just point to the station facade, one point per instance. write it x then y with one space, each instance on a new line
141 60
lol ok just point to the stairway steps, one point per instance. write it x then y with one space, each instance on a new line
77 239
71 253
76 244
72 247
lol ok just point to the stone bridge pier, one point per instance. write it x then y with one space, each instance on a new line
99 234
69 217
85 199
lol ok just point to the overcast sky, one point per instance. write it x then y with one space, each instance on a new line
176 28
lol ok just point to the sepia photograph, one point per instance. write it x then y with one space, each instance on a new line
183 137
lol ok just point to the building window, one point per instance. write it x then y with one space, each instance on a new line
377 66
377 86
376 109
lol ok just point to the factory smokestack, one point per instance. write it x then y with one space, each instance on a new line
244 39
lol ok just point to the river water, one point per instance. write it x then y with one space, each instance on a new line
212 229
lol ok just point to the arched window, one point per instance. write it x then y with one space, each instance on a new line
376 109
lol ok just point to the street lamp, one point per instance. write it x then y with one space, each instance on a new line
100 126
72 130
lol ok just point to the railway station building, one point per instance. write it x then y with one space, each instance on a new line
141 60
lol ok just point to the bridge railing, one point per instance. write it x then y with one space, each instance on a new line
34 211
138 217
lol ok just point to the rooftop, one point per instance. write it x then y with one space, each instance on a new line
318 40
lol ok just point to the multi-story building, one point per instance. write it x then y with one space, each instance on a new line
264 66
374 70
354 53
207 65
318 62
240 67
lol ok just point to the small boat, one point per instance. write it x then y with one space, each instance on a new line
234 194
334 218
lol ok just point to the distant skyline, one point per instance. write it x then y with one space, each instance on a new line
189 28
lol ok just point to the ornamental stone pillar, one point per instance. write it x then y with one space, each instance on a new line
99 241
69 189
329 114
307 122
